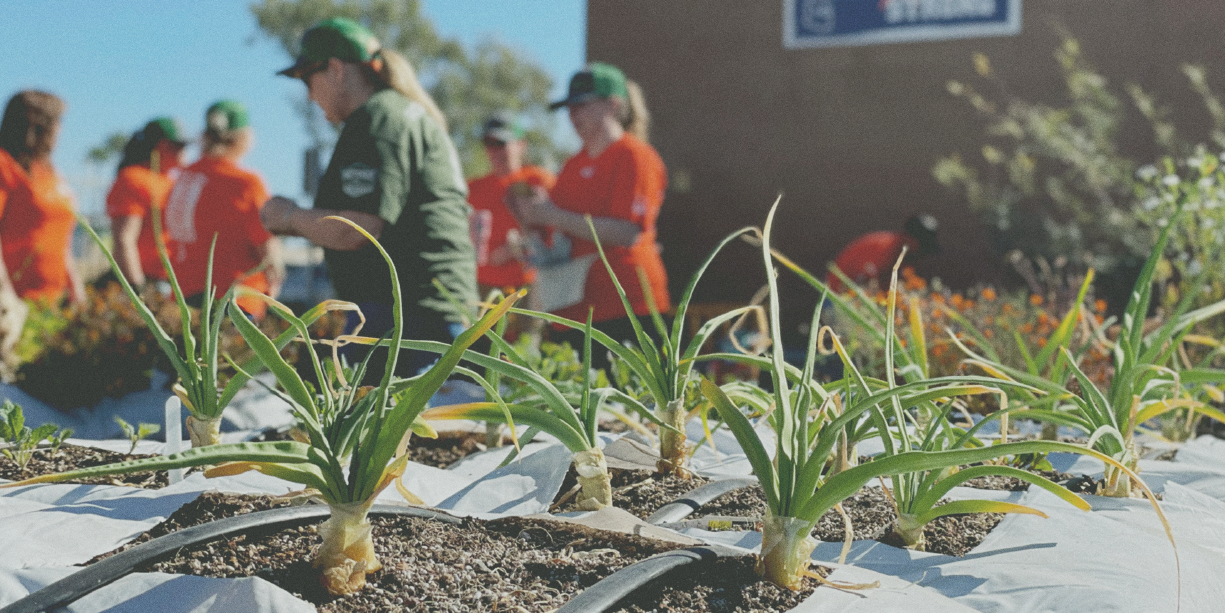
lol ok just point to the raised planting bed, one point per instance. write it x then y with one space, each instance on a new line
70 457
436 563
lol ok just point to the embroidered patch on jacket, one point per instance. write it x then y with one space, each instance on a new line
357 180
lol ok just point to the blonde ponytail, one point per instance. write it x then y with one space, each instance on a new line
636 118
396 72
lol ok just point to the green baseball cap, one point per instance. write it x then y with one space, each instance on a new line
225 115
340 38
598 80
501 127
163 128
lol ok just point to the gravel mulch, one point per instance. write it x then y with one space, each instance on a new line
512 564
725 585
72 457
872 517
640 492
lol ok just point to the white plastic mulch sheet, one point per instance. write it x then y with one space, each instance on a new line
45 529
1114 558
253 410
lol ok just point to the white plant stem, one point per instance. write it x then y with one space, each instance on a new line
673 446
593 479
911 532
785 550
347 553
204 431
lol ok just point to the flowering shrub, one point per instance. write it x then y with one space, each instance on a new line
74 356
1014 324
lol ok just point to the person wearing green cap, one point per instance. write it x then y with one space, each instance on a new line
619 180
216 197
142 183
395 173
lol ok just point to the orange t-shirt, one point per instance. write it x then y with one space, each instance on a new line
491 221
37 218
216 197
626 181
870 256
136 192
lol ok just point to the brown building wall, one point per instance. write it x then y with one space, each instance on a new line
849 135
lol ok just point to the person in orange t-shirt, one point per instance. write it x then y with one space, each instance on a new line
871 257
496 234
37 215
215 197
139 188
619 180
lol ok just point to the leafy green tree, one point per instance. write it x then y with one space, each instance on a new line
109 149
467 85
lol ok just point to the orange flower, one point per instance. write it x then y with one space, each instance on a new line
988 294
1099 305
958 301
989 333
937 298
1035 299
1042 342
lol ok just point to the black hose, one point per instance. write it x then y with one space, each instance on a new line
612 589
105 572
680 509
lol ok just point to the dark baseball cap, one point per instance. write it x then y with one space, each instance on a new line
502 128
340 38
163 128
598 80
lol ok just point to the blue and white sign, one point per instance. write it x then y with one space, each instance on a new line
842 23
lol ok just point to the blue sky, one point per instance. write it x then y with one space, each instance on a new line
119 63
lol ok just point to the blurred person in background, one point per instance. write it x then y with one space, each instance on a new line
503 247
395 173
216 197
150 160
619 180
870 257
37 215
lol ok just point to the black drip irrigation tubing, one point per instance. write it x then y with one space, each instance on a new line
680 509
109 570
611 590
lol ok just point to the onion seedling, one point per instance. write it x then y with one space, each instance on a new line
915 494
665 367
364 427
199 386
1147 381
573 422
798 488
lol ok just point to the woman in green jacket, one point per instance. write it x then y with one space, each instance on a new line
395 173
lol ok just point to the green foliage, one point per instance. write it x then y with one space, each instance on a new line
135 434
1052 180
1197 246
109 149
21 439
1148 381
74 355
468 85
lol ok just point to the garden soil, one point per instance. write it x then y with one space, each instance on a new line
71 457
427 565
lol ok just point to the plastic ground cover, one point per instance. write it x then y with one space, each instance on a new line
1115 558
